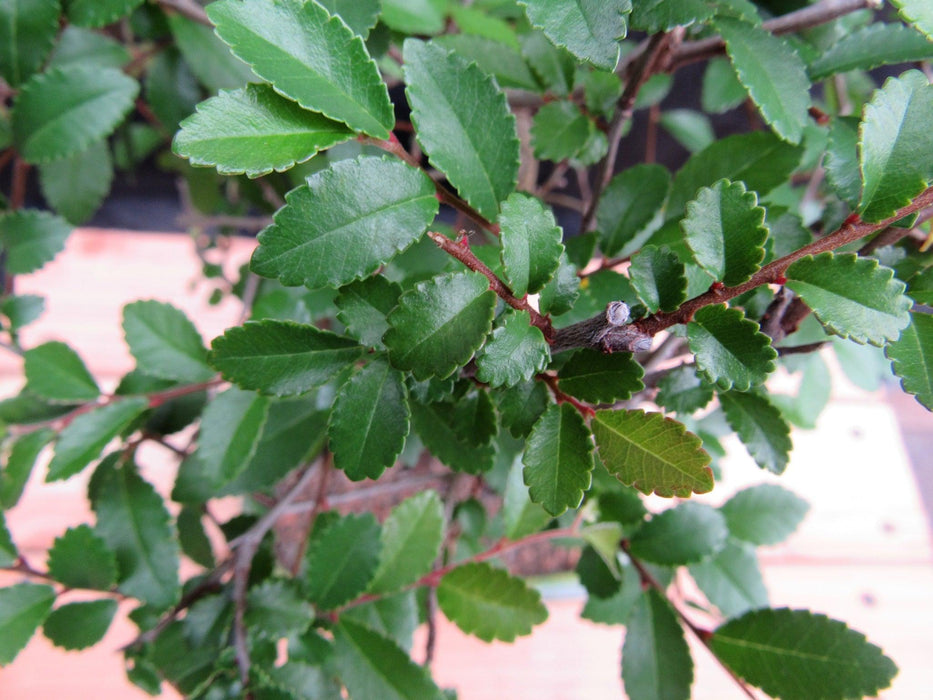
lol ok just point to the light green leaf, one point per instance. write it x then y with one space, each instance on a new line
489 603
918 13
65 110
79 558
76 185
589 29
632 200
531 246
309 57
685 534
660 15
554 67
560 131
79 625
895 145
439 324
721 90
725 230
276 609
560 294
165 342
359 15
760 427
363 307
394 616
798 655
97 13
476 148
772 72
207 56
765 514
659 278
558 459
83 439
875 45
414 16
682 391
87 46
8 553
23 309
23 607
841 162
731 351
280 357
692 129
656 661
28 29
342 560
230 429
31 238
911 358
133 521
514 353
346 222
21 458
254 130
55 371
600 377
853 297
731 579
370 421
496 58
520 515
460 435
411 540
372 666
652 453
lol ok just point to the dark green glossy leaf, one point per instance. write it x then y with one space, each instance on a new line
760 427
79 625
632 200
165 342
192 537
685 534
31 238
342 560
765 514
458 434
230 429
281 357
531 246
514 353
80 558
911 358
97 13
55 371
554 67
411 540
589 29
207 56
276 609
600 377
23 607
310 57
730 350
659 278
869 47
21 458
682 391
560 294
363 308
656 661
476 148
76 185
346 222
28 29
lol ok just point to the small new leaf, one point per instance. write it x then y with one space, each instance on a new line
489 603
730 350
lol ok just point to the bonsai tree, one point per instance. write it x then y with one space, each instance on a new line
467 303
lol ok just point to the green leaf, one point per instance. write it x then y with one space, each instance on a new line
22 456
800 654
682 391
370 421
309 57
692 129
632 200
55 371
230 429
76 185
558 459
589 29
281 357
759 159
660 15
721 90
659 278
731 579
765 514
685 534
276 609
869 47
411 540
97 13
520 515
79 558
730 350
911 358
165 342
83 439
363 307
918 13
79 625
28 29
772 72
23 607
342 560
133 521
531 246
652 453
86 46
841 162
514 353
560 131
725 230
23 309
65 110
346 222
192 537
554 67
207 56
560 294
359 15
476 148
171 89
853 297
895 145
615 610
31 238
496 58
372 666
521 405
8 553
460 434
438 325
489 603
414 16
760 427
656 661
394 616
600 377
254 130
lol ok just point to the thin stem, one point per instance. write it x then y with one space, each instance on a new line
189 9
